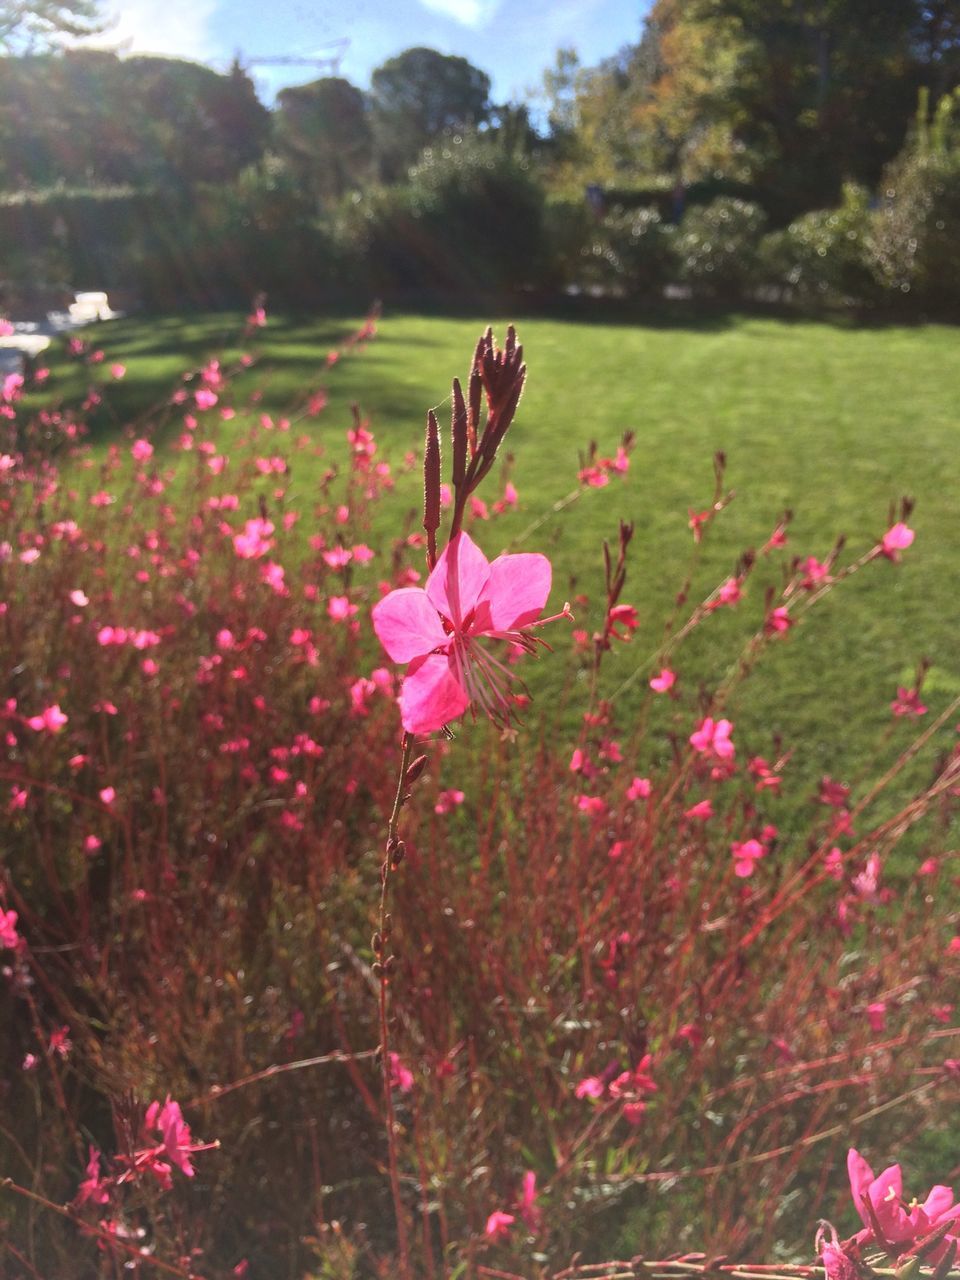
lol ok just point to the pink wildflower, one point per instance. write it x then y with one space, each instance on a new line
60 1042
498 1225
50 720
529 1211
887 1219
833 863
778 621
255 541
836 1264
401 1077
746 854
591 1087
877 1015
700 811
448 801
437 631
907 703
713 738
9 937
141 450
92 1189
339 608
730 592
896 539
814 573
639 789
697 521
663 682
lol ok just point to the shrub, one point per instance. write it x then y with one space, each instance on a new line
569 231
915 245
718 248
822 257
469 220
639 252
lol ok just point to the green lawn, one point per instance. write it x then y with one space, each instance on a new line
832 422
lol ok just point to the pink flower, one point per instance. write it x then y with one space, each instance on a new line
746 854
176 1146
205 398
401 1077
778 621
8 930
528 1201
887 1219
833 863
877 1015
255 541
50 720
639 789
60 1042
815 572
448 800
730 592
713 738
896 539
499 1224
80 599
437 631
92 1189
664 682
907 703
590 1087
696 522
118 370
339 608
700 811
836 1264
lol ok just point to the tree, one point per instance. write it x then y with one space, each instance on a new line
26 25
830 82
322 131
418 96
86 117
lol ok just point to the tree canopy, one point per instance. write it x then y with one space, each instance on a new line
419 95
323 132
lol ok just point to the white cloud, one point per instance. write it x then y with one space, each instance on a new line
469 13
175 28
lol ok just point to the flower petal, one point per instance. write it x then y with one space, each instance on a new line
861 1179
514 594
432 695
938 1204
458 578
407 624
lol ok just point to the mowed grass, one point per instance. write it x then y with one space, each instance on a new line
834 423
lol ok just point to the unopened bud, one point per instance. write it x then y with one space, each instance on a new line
414 770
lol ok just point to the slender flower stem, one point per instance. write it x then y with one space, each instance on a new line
115 1242
383 966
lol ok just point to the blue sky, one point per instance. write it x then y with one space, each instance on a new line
512 40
